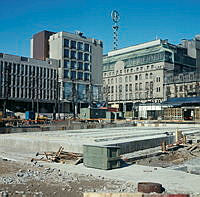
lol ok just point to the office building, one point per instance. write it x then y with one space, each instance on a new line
80 71
27 83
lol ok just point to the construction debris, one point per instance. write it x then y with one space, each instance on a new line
60 157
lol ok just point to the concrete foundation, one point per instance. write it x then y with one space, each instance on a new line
129 139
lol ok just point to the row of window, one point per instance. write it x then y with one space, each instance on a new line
21 69
76 65
27 93
130 96
185 88
77 55
129 87
130 78
129 70
73 75
77 45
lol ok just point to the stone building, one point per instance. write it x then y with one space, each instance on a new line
138 74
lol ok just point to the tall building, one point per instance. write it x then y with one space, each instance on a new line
80 71
40 45
26 83
137 74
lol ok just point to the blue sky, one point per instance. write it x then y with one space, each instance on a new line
140 21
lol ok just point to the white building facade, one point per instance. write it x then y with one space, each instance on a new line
137 74
80 68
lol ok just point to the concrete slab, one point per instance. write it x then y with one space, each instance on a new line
128 138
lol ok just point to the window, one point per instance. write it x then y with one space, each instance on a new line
130 96
80 66
66 53
151 75
141 68
108 81
120 88
66 74
120 80
86 57
18 68
66 64
146 85
136 86
181 88
80 75
146 76
140 76
152 66
86 76
112 89
126 79
140 86
80 46
158 89
66 43
73 44
111 81
73 54
86 47
22 69
130 78
126 88
86 67
130 87
80 56
136 77
157 79
73 75
73 65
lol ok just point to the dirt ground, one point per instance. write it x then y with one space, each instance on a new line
171 158
22 180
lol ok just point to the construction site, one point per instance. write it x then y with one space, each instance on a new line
74 158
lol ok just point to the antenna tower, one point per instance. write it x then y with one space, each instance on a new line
115 18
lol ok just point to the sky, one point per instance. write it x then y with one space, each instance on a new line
140 21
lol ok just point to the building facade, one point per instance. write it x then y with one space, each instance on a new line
137 74
26 81
40 45
183 85
80 68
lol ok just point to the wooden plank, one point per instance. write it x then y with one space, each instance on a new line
113 195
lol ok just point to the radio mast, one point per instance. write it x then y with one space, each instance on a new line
115 18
